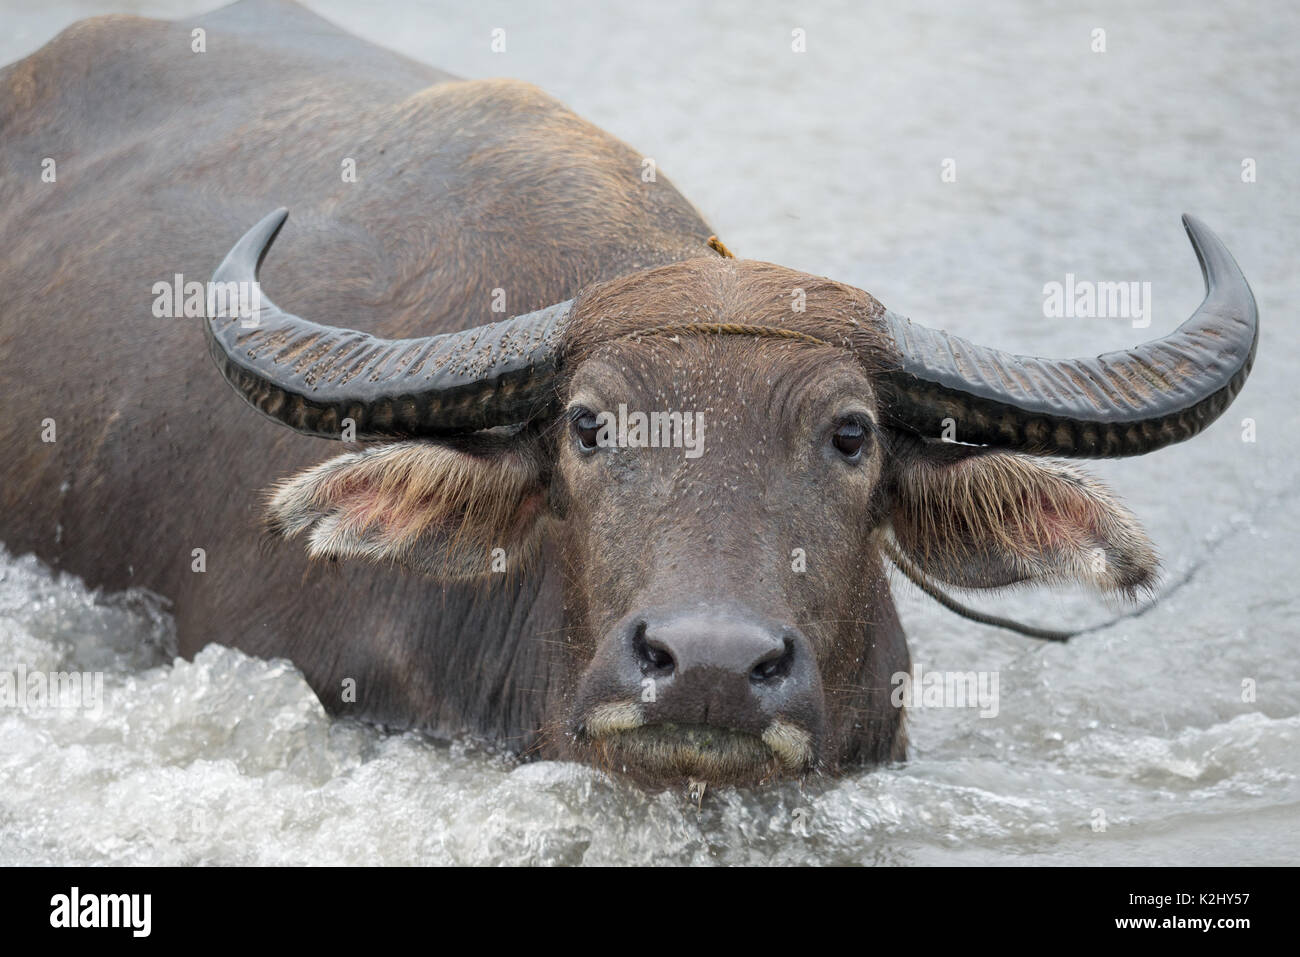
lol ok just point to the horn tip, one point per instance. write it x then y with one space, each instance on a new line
247 255
270 225
1197 231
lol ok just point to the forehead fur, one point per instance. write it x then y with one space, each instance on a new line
718 290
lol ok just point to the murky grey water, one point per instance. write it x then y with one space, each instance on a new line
828 161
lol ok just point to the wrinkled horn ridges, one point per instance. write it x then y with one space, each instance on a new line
1121 403
311 377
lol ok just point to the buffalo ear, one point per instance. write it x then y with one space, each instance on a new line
445 511
978 519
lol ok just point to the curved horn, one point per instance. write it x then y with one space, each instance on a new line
310 377
1121 403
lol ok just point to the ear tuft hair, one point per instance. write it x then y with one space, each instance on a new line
985 520
430 507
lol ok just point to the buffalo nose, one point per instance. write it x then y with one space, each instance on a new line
718 668
733 649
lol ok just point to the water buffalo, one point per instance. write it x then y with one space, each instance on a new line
501 560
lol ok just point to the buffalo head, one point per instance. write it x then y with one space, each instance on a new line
716 472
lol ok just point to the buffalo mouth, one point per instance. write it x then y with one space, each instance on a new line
666 754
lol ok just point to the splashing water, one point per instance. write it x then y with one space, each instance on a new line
231 760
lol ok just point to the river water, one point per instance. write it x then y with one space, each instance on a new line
1169 738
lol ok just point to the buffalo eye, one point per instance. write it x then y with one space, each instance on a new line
849 438
585 428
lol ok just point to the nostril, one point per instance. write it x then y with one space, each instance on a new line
776 665
657 657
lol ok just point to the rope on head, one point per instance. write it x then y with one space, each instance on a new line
727 329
